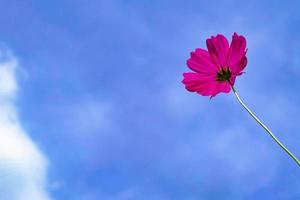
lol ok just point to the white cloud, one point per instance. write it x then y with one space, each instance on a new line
22 166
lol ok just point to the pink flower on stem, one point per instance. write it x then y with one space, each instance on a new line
215 71
217 68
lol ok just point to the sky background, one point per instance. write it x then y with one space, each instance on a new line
92 105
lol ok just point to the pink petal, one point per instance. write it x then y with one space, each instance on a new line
232 79
208 90
218 48
200 62
221 87
199 83
237 59
240 66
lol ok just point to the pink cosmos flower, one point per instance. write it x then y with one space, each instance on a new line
215 70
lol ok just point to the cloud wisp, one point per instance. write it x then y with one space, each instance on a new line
23 167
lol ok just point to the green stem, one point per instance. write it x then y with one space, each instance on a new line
265 127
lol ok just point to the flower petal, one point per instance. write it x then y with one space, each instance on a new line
208 90
201 62
237 59
199 83
232 79
221 87
218 48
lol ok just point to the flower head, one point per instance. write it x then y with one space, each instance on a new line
216 69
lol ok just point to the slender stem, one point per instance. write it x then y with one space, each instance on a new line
265 127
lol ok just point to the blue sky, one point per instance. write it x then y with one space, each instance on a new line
95 91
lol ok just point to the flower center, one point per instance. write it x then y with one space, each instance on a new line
223 74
